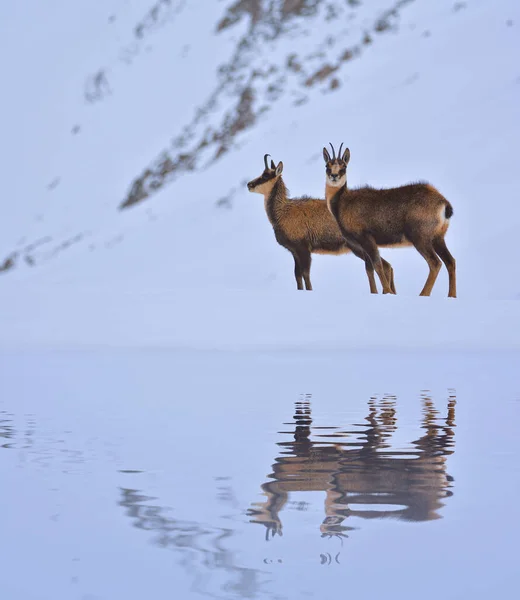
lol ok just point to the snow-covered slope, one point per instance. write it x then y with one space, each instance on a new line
417 90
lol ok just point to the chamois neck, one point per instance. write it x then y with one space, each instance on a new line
331 191
275 199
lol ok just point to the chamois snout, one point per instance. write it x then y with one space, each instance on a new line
255 184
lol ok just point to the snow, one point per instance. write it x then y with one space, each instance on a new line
254 321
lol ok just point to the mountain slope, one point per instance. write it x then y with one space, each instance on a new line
427 92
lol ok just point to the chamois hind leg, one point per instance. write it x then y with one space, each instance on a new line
370 247
305 262
297 271
439 245
425 249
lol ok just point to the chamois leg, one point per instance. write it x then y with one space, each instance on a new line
370 247
369 267
439 245
389 272
426 250
392 282
305 262
297 271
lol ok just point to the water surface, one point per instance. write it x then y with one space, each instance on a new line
178 475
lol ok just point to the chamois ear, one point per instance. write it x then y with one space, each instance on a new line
346 156
279 168
326 155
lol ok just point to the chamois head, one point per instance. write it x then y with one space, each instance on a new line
264 183
336 167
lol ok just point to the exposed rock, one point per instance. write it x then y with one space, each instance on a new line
320 75
9 263
334 83
239 9
97 87
54 184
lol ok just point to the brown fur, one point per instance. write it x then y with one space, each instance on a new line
415 214
301 225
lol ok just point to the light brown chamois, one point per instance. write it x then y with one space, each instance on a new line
302 225
414 214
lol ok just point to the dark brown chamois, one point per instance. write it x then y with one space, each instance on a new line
414 214
301 225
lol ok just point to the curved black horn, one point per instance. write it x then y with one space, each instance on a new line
265 160
333 151
339 153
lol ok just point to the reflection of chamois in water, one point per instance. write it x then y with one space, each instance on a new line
200 548
364 471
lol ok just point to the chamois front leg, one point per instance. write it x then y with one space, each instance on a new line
389 272
360 253
305 259
297 270
369 268
369 245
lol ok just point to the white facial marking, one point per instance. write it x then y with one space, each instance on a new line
336 183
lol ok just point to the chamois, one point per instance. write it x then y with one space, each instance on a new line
413 214
301 225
